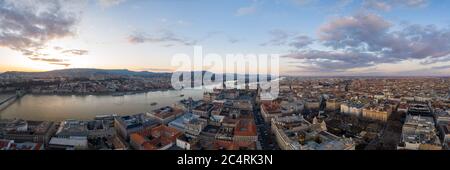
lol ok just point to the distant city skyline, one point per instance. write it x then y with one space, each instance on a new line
313 37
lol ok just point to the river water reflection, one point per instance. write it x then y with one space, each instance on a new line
61 107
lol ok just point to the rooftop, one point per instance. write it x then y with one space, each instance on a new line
70 141
245 127
27 146
271 107
166 112
155 138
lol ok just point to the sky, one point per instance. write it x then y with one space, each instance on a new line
312 37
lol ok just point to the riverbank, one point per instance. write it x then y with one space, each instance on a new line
7 102
100 93
55 107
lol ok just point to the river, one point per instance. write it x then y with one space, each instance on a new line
61 107
85 107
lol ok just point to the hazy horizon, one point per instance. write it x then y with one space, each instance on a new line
283 75
312 37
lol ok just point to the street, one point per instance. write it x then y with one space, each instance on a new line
264 134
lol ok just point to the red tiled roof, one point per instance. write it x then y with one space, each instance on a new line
149 146
245 127
161 135
137 138
232 145
271 107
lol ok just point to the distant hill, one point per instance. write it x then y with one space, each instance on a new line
89 72
84 72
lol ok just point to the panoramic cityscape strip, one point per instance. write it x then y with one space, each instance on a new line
244 75
344 113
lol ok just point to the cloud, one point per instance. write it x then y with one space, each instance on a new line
301 41
109 3
61 64
253 8
366 39
57 48
278 38
229 38
164 37
441 67
378 5
157 69
52 60
284 38
167 38
370 32
411 3
33 53
75 52
354 30
26 26
333 60
233 40
431 60
387 5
